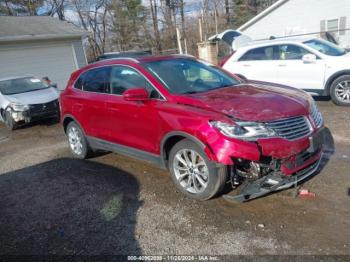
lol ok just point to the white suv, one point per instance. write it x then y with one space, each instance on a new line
314 65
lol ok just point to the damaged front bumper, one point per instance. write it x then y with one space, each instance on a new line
274 182
282 173
36 112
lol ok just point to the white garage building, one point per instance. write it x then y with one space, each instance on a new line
42 46
294 17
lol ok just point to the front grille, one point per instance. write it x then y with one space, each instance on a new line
316 116
291 128
43 108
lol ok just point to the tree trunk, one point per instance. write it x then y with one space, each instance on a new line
154 12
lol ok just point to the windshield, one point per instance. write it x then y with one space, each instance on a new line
325 47
188 76
21 85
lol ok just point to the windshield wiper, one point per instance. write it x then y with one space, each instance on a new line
190 92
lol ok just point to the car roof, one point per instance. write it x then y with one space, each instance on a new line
283 40
142 59
15 77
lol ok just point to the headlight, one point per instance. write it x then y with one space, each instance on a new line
19 107
250 131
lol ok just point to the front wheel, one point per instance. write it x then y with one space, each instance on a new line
193 173
340 91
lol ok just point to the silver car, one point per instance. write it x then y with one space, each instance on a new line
25 99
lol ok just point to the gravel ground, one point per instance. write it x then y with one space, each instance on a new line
53 204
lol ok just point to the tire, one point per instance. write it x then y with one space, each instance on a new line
213 177
339 85
78 144
8 120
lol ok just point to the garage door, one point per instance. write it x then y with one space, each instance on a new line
56 62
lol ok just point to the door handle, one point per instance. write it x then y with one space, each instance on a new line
282 65
246 65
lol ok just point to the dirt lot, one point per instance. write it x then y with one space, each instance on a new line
52 204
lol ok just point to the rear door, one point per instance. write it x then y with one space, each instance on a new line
90 102
256 64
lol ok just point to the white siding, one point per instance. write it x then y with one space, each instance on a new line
57 60
301 16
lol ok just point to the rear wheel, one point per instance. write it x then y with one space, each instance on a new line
8 120
77 141
340 90
193 173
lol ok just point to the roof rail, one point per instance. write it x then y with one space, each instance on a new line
119 58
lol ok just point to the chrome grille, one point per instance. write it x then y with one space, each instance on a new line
291 128
316 116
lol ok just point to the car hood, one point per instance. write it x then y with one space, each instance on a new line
253 101
35 97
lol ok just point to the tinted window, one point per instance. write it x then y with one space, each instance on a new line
261 53
124 78
291 52
79 83
96 80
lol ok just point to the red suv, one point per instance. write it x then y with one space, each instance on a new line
203 124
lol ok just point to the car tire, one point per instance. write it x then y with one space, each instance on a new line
78 144
340 91
8 120
204 178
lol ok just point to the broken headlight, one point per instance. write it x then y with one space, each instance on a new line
250 131
18 107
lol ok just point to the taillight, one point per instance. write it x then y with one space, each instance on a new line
225 59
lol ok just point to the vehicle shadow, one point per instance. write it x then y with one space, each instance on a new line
322 98
68 207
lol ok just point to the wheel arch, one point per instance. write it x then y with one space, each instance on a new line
332 78
170 139
69 118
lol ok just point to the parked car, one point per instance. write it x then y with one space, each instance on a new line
25 99
134 54
314 65
204 125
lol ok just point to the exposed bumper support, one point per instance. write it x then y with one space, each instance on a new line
272 182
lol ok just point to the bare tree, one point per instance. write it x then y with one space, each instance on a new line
154 13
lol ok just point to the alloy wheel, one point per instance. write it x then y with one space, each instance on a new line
342 91
75 140
191 171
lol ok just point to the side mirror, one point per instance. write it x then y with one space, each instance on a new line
309 59
136 94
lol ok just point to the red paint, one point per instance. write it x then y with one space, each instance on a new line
144 124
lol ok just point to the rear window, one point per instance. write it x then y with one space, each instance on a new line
95 80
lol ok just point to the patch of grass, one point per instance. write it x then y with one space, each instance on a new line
112 208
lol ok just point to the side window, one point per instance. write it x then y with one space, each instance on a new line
124 78
79 83
97 80
261 53
291 52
